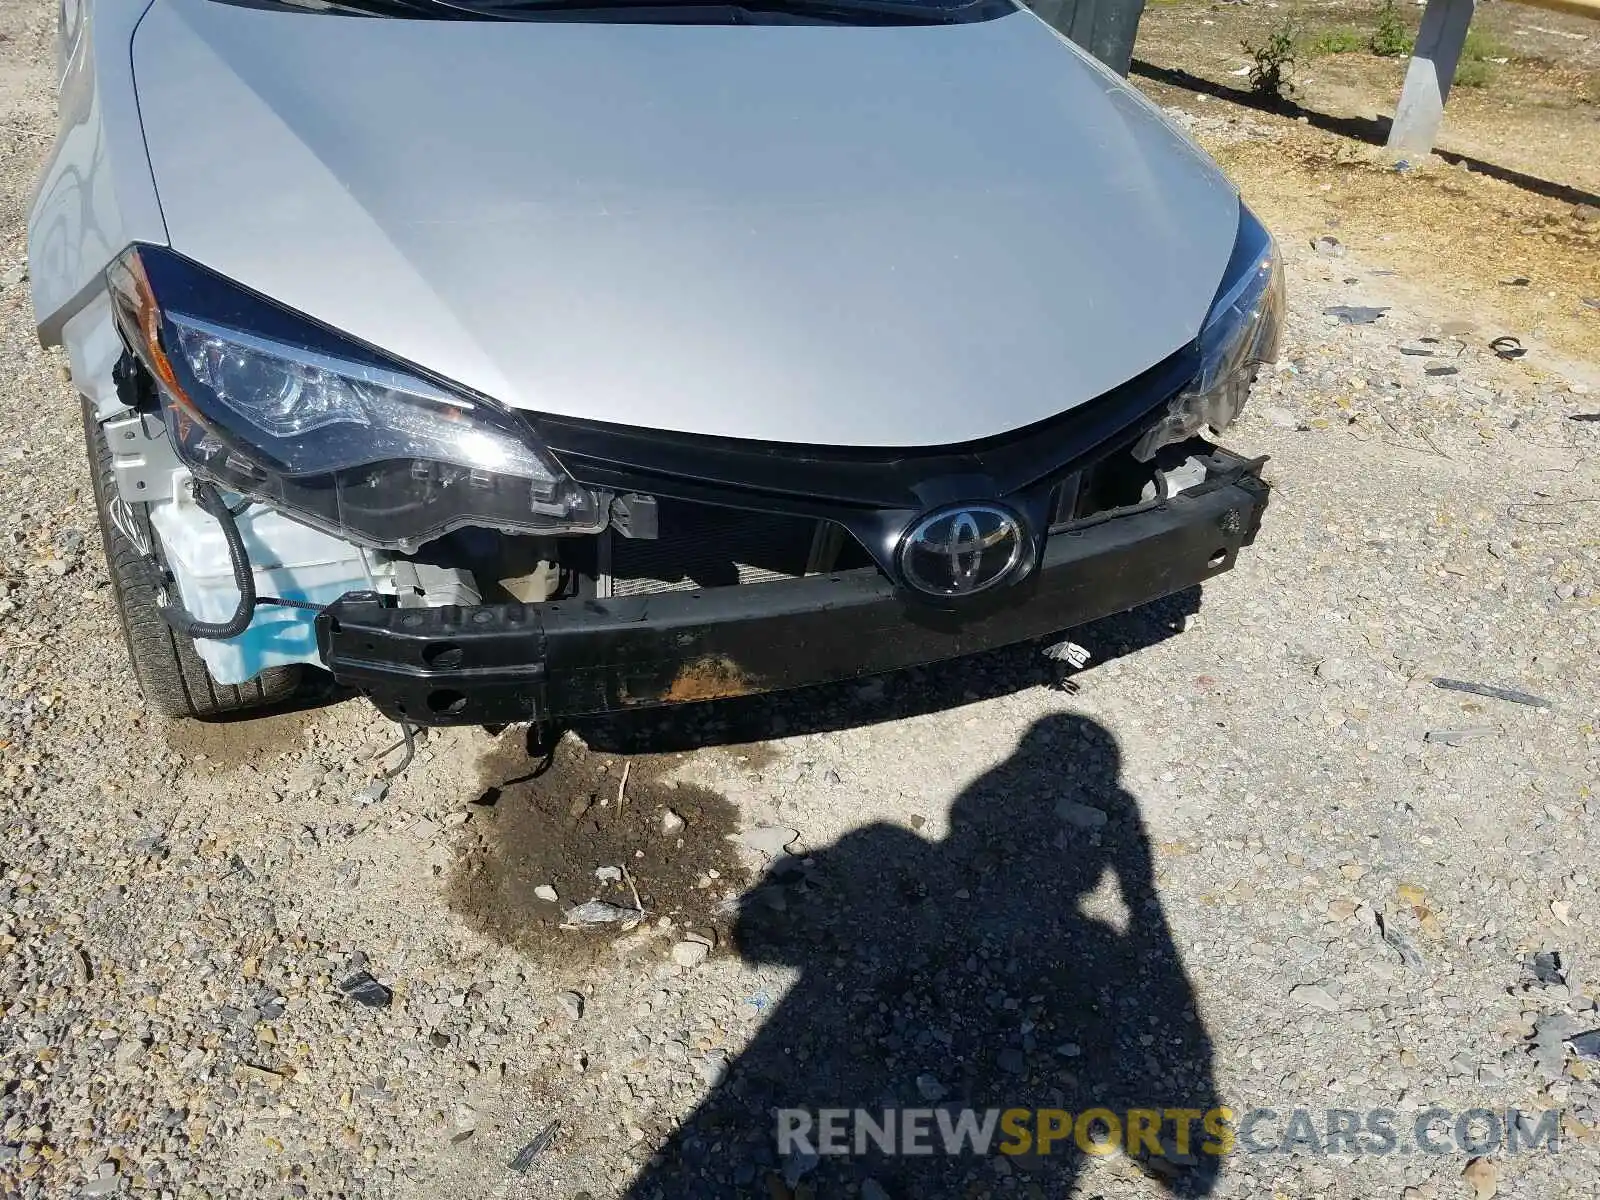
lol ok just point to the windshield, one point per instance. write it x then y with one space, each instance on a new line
730 12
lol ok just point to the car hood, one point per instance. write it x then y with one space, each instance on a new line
844 236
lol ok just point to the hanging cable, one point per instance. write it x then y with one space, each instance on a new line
210 500
181 619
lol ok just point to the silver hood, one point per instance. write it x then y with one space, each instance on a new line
832 235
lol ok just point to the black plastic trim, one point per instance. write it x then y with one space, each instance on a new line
819 480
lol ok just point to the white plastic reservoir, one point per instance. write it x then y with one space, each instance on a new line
290 560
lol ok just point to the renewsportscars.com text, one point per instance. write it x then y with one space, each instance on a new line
1163 1132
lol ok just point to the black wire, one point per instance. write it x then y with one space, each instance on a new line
181 619
282 603
408 739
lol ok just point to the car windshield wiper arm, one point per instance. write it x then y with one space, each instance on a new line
908 11
429 9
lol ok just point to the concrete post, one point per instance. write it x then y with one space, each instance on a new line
1433 66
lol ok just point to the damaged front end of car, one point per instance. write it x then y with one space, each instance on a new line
317 500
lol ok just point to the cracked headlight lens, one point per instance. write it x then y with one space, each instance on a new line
271 405
1240 334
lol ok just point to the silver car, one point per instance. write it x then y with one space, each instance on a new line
514 359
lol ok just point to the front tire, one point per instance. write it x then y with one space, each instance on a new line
171 675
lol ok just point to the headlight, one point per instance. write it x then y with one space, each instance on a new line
271 405
1240 333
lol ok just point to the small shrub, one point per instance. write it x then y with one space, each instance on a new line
1273 61
1391 37
1343 40
1476 67
1480 46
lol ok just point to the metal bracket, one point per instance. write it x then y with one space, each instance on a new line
424 585
143 461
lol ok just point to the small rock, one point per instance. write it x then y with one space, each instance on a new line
546 893
930 1089
1354 314
598 912
1587 1045
571 1003
372 793
771 840
690 954
364 989
1483 1177
1459 737
12 276
1314 996
1546 967
671 822
713 1067
608 874
1329 245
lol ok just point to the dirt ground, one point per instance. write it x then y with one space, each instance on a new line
1515 197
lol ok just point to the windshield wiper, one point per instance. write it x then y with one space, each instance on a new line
851 12
433 10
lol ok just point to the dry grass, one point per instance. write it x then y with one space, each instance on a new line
1460 234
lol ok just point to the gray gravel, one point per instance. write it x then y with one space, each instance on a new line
1354 904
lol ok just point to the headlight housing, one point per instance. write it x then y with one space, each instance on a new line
271 405
1240 333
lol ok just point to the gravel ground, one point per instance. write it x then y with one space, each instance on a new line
1234 861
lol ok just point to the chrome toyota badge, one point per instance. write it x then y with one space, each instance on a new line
961 550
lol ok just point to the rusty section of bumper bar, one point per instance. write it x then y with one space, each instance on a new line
494 664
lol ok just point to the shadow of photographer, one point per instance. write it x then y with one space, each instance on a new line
1023 962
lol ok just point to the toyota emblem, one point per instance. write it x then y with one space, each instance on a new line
962 550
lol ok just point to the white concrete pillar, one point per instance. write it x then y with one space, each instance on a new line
1433 66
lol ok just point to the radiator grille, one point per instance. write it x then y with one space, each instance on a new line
703 546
